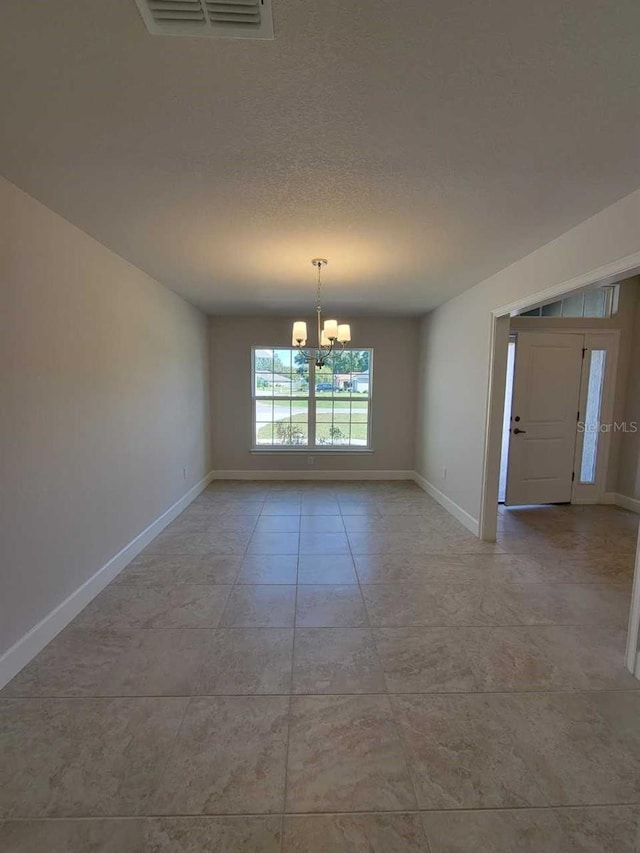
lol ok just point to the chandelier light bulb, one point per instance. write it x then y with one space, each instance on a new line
331 329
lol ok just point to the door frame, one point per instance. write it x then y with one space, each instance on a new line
612 336
499 321
551 333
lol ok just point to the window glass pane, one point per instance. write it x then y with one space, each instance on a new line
264 411
263 384
264 433
264 360
300 383
281 384
573 306
360 423
324 381
595 303
282 361
291 431
341 411
592 416
552 310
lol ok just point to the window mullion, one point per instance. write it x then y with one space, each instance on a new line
312 405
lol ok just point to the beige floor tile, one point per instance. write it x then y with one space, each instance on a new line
260 606
601 829
512 659
427 568
323 606
359 507
573 568
125 607
199 544
228 758
357 833
324 543
436 604
319 505
283 507
91 757
462 755
273 543
144 835
326 569
157 570
269 568
506 831
589 658
336 660
74 836
345 754
322 524
75 663
567 604
278 524
158 662
247 661
582 748
428 660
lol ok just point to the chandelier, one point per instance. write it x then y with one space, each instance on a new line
330 335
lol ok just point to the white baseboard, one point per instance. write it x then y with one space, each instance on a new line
28 646
456 511
303 474
622 501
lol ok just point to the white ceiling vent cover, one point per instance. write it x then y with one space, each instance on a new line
236 19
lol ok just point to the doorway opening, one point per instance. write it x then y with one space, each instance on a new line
556 420
596 435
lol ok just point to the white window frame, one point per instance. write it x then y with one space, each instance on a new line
311 400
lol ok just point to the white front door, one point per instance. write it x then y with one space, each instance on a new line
544 416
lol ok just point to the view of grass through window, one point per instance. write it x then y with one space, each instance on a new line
298 405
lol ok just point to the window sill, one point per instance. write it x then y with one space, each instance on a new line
309 450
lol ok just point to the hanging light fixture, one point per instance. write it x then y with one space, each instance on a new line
330 335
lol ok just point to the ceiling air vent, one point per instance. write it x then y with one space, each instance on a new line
237 19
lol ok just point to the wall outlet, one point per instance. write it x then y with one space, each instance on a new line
444 473
310 460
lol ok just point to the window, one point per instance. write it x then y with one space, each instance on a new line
592 415
600 302
296 405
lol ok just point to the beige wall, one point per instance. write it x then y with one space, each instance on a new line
393 431
104 394
455 346
628 482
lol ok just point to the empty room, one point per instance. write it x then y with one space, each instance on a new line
319 435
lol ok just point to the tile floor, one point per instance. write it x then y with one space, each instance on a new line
338 668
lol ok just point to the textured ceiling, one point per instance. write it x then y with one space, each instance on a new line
420 145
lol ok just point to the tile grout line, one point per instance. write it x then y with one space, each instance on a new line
290 708
389 703
323 813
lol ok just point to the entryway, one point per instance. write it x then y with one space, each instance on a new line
557 417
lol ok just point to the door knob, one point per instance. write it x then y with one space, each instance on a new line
518 431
